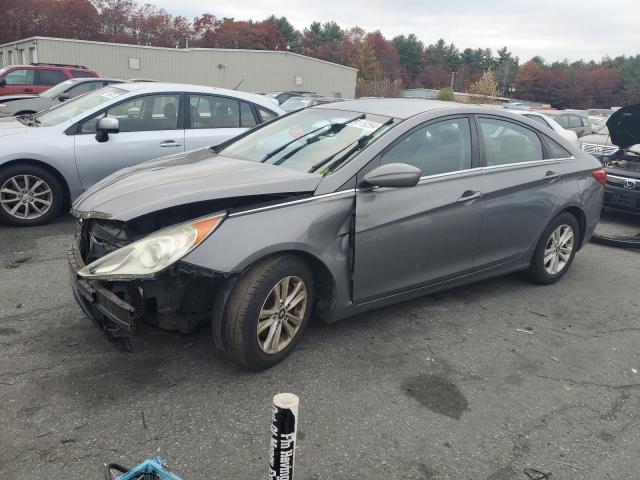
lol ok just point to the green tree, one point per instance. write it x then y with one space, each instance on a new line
506 67
410 51
289 33
630 77
446 94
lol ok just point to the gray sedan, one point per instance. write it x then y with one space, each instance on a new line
330 211
11 106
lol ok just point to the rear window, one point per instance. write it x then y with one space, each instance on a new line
81 74
266 114
556 150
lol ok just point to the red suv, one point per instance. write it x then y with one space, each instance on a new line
37 77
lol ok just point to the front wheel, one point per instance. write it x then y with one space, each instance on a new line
555 251
29 195
267 312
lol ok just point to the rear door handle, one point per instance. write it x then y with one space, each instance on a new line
469 195
551 175
169 143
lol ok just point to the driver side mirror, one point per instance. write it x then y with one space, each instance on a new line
106 126
63 97
3 82
392 175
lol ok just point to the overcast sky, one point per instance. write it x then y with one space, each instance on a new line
554 29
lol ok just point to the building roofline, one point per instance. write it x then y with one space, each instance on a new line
279 52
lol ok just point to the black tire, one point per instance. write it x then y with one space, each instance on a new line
57 195
240 319
537 272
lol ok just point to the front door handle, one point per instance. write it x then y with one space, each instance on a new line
169 143
469 195
551 176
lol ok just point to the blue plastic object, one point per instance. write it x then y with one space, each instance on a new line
152 469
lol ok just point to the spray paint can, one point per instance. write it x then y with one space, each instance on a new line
284 425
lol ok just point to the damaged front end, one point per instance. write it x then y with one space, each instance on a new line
181 297
178 298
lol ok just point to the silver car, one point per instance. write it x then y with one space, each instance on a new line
330 211
48 159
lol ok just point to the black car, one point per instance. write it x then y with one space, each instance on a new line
15 105
622 191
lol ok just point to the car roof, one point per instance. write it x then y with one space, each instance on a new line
153 87
391 107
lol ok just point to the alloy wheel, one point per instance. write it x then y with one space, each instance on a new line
26 197
558 249
282 314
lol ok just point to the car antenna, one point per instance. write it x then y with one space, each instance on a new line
238 84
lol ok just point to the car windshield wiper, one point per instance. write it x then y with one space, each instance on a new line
333 127
360 143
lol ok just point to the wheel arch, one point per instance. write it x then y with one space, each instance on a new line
581 217
25 112
52 170
324 278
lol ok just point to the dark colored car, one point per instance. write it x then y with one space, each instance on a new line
329 211
282 97
622 191
20 105
38 77
306 101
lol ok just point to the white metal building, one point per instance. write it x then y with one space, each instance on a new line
251 70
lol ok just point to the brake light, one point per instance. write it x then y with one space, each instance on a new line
600 176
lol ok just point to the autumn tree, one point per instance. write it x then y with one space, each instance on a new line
486 86
530 80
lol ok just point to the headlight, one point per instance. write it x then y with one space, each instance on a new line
3 106
154 252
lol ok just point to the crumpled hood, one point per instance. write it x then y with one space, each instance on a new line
185 178
10 126
624 126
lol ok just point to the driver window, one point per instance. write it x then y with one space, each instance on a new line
440 147
142 114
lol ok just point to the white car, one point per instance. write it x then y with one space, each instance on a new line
549 122
50 158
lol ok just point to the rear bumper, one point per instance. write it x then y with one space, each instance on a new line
112 315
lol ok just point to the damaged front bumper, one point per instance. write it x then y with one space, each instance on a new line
110 313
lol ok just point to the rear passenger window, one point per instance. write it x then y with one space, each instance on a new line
506 142
209 111
247 119
574 121
81 74
556 150
50 77
440 147
563 120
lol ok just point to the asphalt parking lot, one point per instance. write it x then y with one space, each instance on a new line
480 382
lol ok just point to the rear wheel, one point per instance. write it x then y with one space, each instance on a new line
29 195
555 250
268 311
